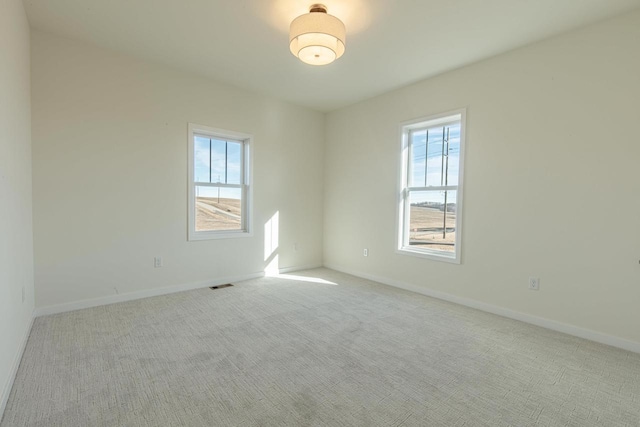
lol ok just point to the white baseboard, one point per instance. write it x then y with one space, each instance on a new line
500 311
298 268
6 391
112 299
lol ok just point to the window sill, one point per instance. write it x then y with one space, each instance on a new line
432 255
215 235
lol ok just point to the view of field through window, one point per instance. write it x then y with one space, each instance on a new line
431 224
218 180
434 168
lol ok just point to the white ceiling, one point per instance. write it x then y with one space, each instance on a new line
390 43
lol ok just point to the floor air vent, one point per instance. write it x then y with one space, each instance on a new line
220 286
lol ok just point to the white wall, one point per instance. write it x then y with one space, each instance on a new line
110 174
16 235
552 181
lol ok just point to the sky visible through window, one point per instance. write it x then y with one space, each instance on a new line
217 161
437 170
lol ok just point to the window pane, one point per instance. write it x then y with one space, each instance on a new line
430 166
432 220
226 159
218 149
453 165
418 157
435 164
201 159
234 160
218 208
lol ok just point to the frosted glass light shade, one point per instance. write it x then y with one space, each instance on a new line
317 38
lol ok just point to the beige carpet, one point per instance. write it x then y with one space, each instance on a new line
283 352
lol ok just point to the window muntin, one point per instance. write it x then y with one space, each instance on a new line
219 183
431 187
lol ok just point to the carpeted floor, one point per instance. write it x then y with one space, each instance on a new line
287 352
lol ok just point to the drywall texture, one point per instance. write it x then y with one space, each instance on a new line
551 180
110 175
16 236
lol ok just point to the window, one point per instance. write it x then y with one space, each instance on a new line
431 187
219 183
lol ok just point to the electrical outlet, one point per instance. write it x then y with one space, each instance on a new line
365 252
157 262
534 283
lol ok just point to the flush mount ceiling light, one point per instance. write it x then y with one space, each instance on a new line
317 38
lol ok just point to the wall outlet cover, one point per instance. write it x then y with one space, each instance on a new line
534 283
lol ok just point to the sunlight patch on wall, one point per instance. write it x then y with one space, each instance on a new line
271 235
271 242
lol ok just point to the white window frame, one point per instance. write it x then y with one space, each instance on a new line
404 189
246 174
